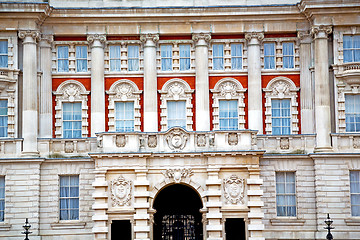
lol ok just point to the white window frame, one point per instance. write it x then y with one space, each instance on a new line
61 198
281 88
168 113
124 119
350 49
342 90
7 117
133 58
270 56
182 57
166 58
228 89
81 59
71 91
72 120
235 57
356 130
176 90
280 116
116 58
6 55
65 59
354 193
124 90
286 193
292 56
2 189
218 57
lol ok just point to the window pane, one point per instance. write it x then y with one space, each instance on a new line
176 114
228 114
184 57
288 55
133 58
124 116
72 120
115 55
4 54
351 46
63 58
269 55
285 194
236 56
352 112
166 57
218 57
281 116
69 197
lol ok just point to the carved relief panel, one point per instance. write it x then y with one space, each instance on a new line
121 192
234 188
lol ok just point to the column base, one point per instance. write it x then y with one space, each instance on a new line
323 149
30 154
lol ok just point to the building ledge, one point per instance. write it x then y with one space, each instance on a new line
5 227
68 225
355 221
287 222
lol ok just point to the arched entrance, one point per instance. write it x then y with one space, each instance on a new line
178 214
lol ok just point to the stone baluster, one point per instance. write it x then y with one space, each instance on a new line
96 42
255 112
202 81
30 89
322 88
150 82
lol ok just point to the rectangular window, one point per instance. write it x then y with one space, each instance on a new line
4 53
285 194
72 120
288 55
2 198
269 55
176 114
218 56
236 56
228 114
351 46
69 197
166 57
133 57
352 112
355 192
3 118
124 116
63 58
115 58
81 58
280 115
184 57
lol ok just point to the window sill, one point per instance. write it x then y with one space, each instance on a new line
5 226
68 225
287 221
354 221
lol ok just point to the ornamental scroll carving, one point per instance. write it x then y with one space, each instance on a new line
234 188
121 192
176 138
178 174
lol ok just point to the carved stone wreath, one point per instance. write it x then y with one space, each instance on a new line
234 190
177 174
176 138
121 192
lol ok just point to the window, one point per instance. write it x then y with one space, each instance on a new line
218 57
352 112
166 57
285 194
63 58
69 197
133 58
81 58
2 198
236 56
176 114
124 119
228 114
115 55
184 57
3 118
355 192
269 55
288 55
280 112
351 47
72 120
3 54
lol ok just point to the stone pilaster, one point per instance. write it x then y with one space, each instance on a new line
30 88
202 81
96 42
306 84
214 226
100 218
150 82
255 115
322 88
45 118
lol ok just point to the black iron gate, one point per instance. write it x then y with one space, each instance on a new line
178 227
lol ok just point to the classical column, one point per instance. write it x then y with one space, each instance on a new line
202 115
45 120
306 85
255 112
150 83
96 42
30 88
322 88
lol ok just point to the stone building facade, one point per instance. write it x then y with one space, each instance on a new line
158 120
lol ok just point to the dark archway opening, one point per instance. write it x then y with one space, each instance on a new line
178 214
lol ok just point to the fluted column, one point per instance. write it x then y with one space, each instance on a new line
97 42
45 120
306 85
255 114
150 83
322 88
202 115
30 88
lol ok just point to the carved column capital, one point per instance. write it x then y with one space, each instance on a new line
33 34
96 40
46 40
197 37
149 39
321 31
304 36
259 36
